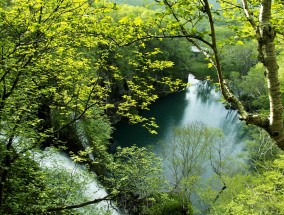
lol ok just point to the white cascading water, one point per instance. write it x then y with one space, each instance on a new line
203 104
93 190
192 80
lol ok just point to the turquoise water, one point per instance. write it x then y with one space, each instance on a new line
200 102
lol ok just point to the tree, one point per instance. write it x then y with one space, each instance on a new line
184 18
56 77
251 89
188 152
136 175
238 57
260 149
234 178
199 163
41 76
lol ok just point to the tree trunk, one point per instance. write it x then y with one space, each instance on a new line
267 50
265 34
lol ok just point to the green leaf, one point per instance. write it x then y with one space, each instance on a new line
240 42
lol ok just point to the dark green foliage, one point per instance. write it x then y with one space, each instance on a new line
30 189
166 204
186 60
24 184
238 58
251 89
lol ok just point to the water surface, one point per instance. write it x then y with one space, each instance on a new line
200 102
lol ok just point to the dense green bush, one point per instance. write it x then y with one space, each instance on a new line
168 204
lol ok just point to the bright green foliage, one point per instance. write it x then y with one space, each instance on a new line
60 73
184 10
241 187
208 193
259 153
133 2
265 195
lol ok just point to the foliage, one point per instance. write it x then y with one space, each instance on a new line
135 175
242 193
261 150
251 89
261 154
93 133
185 60
66 65
167 204
281 70
186 152
194 151
24 183
32 188
208 193
264 195
133 2
250 20
238 57
61 62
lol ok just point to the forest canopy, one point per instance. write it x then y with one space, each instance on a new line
71 69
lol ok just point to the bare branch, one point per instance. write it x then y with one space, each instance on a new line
69 207
249 14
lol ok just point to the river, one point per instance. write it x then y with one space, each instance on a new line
200 102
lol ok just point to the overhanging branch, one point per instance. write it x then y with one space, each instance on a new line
69 207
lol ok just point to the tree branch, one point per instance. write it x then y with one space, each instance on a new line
69 207
249 15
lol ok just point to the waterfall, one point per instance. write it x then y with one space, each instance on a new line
51 158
